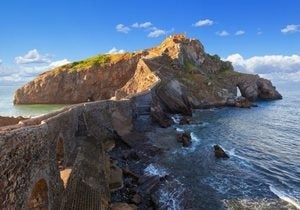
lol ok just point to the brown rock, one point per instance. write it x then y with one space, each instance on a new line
136 199
242 102
185 139
116 178
185 120
158 115
5 121
219 152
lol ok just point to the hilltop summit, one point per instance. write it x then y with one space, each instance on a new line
179 73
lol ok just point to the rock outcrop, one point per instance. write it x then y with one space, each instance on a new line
5 121
179 74
219 152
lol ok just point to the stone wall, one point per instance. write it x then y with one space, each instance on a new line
28 152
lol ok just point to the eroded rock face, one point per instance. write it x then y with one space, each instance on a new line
253 87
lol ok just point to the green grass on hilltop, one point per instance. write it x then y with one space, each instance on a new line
97 60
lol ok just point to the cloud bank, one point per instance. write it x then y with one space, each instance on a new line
275 67
32 56
27 67
289 29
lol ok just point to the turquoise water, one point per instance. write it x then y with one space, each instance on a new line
8 109
263 171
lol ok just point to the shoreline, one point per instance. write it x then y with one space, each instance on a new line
137 155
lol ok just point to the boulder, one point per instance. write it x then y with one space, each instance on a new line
219 152
267 90
253 88
185 121
136 199
185 139
115 178
242 102
158 115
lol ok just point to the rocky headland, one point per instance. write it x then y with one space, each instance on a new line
144 88
179 73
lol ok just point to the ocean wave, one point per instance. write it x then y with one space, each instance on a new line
171 195
242 161
180 130
176 119
286 197
155 170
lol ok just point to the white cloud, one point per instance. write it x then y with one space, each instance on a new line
156 33
206 22
25 73
222 33
115 51
239 32
290 29
142 25
32 56
59 63
278 67
0 61
122 28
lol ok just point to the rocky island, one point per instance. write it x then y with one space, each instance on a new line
91 155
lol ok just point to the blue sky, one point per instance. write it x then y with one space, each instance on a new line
38 35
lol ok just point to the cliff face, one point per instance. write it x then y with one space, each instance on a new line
184 77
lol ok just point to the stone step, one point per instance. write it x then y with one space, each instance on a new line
86 188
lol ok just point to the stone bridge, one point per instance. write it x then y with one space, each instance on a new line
38 154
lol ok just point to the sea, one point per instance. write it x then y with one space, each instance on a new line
263 171
7 108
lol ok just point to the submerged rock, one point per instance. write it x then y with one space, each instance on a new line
219 152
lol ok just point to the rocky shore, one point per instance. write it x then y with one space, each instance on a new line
5 121
135 155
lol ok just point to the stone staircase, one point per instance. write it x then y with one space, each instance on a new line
87 187
143 104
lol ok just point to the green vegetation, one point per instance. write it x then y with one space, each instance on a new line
189 66
97 60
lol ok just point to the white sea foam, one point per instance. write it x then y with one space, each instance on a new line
169 200
176 119
195 142
155 170
180 130
195 139
171 195
284 196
